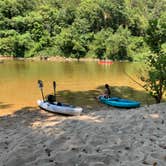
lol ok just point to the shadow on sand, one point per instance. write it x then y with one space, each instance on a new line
88 98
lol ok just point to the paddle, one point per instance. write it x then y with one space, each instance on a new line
40 84
54 86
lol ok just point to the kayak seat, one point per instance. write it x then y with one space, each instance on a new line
51 99
59 104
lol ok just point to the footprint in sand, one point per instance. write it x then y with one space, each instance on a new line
48 151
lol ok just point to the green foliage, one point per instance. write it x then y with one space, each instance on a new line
138 50
7 33
92 12
77 28
12 8
155 84
72 43
7 46
64 42
156 33
111 45
137 14
19 23
121 38
98 46
22 44
114 13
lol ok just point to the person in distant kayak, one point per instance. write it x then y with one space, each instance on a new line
107 92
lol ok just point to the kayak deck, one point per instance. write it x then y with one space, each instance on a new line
59 108
119 102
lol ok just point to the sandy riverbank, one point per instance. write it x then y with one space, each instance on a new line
109 136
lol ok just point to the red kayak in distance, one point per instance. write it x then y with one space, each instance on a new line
103 62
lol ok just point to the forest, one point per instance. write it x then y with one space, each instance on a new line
112 29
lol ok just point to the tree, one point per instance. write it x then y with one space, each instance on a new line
12 8
111 45
22 45
98 46
156 34
77 28
155 84
92 12
120 42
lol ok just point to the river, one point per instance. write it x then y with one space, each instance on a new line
77 82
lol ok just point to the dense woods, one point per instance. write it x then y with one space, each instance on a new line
114 29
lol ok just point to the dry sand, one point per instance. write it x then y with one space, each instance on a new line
107 137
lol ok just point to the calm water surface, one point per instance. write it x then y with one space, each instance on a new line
77 82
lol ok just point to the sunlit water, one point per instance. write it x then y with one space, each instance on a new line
78 83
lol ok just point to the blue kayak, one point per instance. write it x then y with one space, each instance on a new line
119 102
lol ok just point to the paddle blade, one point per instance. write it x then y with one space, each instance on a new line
40 84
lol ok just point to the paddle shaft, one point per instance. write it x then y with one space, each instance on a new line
54 86
40 83
42 93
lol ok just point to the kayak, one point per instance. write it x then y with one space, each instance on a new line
102 62
59 108
119 102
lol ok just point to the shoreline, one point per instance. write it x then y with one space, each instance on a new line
51 58
58 59
108 136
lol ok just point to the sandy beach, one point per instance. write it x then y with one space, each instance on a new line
105 137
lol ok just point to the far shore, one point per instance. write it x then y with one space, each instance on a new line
54 59
47 58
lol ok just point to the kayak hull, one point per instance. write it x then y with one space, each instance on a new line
60 109
119 102
103 62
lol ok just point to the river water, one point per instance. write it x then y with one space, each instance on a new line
77 82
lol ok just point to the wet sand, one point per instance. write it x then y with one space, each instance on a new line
103 137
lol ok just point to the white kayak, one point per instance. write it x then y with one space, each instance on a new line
59 108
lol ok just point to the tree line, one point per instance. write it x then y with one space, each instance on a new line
113 29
